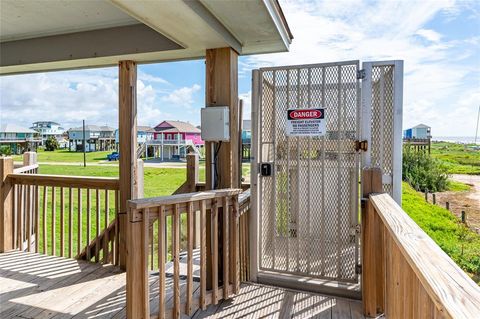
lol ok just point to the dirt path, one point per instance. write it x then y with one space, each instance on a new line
464 201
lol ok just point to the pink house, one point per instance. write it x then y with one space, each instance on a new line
174 138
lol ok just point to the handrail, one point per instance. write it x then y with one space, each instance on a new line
451 291
143 203
65 181
26 169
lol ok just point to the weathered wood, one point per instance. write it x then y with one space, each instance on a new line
54 219
214 259
44 220
64 181
70 222
137 268
176 262
127 119
161 266
37 219
20 214
79 221
106 239
190 241
372 247
234 245
203 254
181 198
452 292
89 222
97 225
62 221
226 248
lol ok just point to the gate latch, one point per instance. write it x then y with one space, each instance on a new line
266 169
361 146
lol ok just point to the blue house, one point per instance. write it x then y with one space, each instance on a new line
419 132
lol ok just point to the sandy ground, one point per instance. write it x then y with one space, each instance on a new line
464 201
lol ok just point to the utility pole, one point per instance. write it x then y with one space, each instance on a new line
84 147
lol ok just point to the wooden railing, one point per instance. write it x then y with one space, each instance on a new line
219 213
405 274
244 230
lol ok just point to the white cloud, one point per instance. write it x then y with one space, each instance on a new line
429 35
183 96
437 75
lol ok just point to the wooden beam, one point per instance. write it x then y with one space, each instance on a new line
127 116
6 205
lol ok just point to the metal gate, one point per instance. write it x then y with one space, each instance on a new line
308 206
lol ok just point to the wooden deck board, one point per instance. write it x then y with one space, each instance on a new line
39 286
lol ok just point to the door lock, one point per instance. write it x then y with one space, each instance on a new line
266 169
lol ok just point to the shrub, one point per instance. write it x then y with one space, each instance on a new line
423 172
51 144
5 150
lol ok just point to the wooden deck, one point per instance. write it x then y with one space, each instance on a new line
39 286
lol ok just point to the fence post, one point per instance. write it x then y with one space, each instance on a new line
434 199
6 206
447 205
137 265
192 181
373 247
464 217
140 179
426 195
29 158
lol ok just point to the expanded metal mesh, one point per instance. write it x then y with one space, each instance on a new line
309 205
382 122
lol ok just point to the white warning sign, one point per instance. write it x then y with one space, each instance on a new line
306 122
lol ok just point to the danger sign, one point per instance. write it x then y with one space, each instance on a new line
306 122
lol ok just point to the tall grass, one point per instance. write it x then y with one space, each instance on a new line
423 172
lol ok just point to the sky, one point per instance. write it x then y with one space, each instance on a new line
439 41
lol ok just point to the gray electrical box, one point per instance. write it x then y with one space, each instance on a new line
215 123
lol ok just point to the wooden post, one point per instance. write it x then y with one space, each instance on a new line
137 265
464 217
373 249
29 158
192 181
127 136
426 196
6 206
434 199
447 205
221 89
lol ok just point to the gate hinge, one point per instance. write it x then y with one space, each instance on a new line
361 74
355 230
361 146
358 269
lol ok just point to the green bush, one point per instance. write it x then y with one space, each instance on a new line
423 172
51 144
5 150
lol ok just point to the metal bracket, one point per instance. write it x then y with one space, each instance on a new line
361 74
361 146
358 269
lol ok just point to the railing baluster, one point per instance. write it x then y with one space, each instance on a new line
62 221
203 254
44 221
215 252
70 222
116 242
97 226
105 235
80 222
235 255
150 243
190 239
88 252
54 208
226 247
29 218
20 217
37 220
161 262
176 261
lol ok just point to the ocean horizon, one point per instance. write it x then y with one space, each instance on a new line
456 139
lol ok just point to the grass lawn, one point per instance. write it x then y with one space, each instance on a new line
455 186
458 158
67 156
458 241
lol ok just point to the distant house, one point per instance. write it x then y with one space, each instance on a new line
97 138
246 139
144 134
173 139
47 129
18 138
420 132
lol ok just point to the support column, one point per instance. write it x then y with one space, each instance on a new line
127 116
6 205
221 87
222 90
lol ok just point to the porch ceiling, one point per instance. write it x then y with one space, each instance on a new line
64 34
